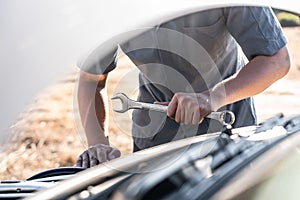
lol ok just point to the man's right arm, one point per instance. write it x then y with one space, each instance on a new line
92 112
92 108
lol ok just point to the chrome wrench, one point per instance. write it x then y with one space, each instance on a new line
224 117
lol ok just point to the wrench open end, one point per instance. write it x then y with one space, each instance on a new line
120 104
128 103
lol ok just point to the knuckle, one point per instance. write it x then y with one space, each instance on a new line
177 95
84 155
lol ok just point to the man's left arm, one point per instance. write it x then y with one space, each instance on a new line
253 78
264 44
256 76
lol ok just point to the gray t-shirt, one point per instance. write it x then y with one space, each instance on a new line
192 54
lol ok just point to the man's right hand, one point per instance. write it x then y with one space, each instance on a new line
97 154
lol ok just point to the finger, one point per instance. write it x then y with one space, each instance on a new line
102 155
196 118
165 103
93 161
85 160
172 107
115 153
201 119
92 158
188 117
178 115
79 161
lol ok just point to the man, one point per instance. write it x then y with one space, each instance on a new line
193 64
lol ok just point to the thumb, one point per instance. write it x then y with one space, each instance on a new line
165 103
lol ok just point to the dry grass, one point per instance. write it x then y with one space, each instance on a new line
46 134
43 136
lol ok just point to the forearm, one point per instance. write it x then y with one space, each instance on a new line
253 78
92 108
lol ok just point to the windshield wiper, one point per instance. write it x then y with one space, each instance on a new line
291 123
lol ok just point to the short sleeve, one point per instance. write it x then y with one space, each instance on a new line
256 29
99 61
